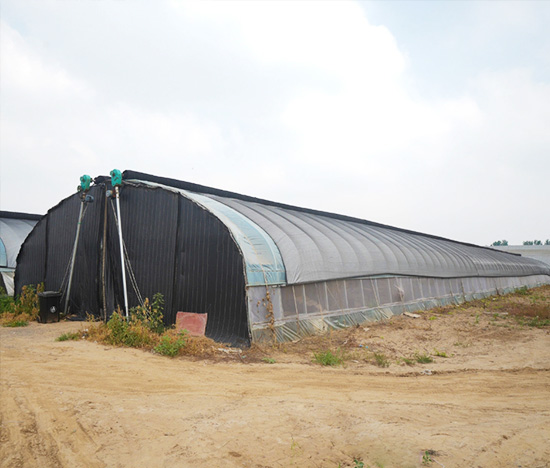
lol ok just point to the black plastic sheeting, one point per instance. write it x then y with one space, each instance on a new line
174 246
17 215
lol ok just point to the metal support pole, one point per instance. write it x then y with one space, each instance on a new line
123 263
73 258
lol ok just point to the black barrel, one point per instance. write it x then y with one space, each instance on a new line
49 306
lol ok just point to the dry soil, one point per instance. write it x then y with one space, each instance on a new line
487 404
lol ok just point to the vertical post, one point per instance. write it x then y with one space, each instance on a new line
122 262
73 258
103 258
83 188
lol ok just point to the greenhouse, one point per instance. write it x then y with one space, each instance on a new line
261 270
14 228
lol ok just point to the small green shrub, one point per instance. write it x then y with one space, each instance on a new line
440 353
408 361
327 358
7 303
170 345
117 327
269 360
423 358
68 336
21 309
138 336
135 334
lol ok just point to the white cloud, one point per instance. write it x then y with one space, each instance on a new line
24 73
303 102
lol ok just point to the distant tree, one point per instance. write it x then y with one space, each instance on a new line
527 242
537 242
499 242
547 242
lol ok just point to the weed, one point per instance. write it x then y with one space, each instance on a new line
294 446
358 463
68 336
150 315
117 327
138 335
462 344
433 317
440 353
523 291
170 345
17 312
269 360
426 458
381 360
477 319
423 358
327 358
408 361
7 303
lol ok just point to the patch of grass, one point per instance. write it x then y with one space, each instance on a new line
381 360
269 360
440 353
68 336
523 291
536 322
423 358
15 323
327 358
408 361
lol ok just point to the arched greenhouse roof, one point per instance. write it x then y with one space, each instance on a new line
14 228
286 244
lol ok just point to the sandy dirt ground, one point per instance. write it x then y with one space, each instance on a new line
83 404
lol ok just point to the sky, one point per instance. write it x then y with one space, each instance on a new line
432 116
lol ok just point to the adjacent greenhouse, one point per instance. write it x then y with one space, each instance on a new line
259 269
14 228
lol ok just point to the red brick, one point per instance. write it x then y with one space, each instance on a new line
194 323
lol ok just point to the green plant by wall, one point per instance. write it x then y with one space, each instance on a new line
171 345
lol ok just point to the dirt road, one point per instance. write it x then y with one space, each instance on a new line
81 404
